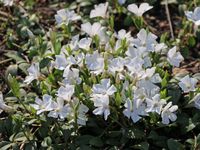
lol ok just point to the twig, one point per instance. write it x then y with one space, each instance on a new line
169 19
5 14
4 61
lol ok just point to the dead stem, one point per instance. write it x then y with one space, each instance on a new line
5 61
169 19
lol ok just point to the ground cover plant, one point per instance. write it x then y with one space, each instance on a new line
85 74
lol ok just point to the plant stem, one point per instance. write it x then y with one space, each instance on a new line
5 61
169 19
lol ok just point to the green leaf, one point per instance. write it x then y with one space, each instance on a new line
14 85
55 42
118 99
46 142
24 67
96 141
175 93
135 133
138 21
84 140
45 62
12 69
15 55
5 147
157 139
142 146
174 145
191 41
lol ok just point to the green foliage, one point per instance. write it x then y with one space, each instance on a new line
25 41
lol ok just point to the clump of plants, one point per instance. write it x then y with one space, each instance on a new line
85 85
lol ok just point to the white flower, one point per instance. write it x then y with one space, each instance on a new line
150 88
141 10
104 88
134 65
3 106
134 109
91 30
174 57
42 106
100 96
159 47
102 104
121 2
133 52
61 62
196 101
188 84
95 29
194 16
145 39
71 76
64 16
168 113
149 74
99 10
74 43
116 65
34 73
66 92
75 60
59 109
122 34
95 62
81 118
155 104
85 43
8 2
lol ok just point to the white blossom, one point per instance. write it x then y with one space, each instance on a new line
134 65
91 30
100 97
33 73
194 16
59 109
134 109
61 62
3 106
81 118
149 74
75 60
139 11
95 29
85 43
174 57
95 62
150 88
66 92
196 101
43 105
104 88
121 2
145 39
102 104
8 2
65 16
99 10
74 43
122 34
116 65
168 113
188 84
155 104
71 76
